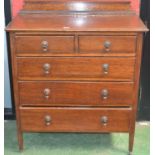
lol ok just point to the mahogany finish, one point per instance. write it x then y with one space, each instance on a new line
45 22
76 66
45 44
75 119
107 44
85 93
76 5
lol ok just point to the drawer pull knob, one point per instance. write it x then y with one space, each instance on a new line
104 94
105 68
48 120
46 93
104 120
107 45
44 45
46 68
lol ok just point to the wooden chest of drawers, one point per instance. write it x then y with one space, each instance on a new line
76 70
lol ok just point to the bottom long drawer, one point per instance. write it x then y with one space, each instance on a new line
75 119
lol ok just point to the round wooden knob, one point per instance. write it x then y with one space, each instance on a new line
46 93
105 68
104 120
48 120
104 94
46 68
107 45
44 45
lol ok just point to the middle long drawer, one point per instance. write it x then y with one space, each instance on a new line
75 93
76 68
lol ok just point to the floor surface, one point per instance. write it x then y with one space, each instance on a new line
76 144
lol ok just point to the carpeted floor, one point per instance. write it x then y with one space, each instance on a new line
75 144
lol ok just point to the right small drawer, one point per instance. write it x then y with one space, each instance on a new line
107 44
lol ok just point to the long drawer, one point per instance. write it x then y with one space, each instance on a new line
76 68
75 93
75 119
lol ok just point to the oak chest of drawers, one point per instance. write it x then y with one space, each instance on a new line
76 66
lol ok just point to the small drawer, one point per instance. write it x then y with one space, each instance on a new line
76 68
107 44
44 44
75 93
75 119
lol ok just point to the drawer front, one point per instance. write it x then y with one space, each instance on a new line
73 68
107 44
75 93
44 44
75 119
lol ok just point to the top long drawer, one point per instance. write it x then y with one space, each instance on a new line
76 68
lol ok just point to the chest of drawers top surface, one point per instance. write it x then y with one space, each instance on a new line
81 22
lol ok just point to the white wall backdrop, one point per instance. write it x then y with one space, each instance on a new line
7 94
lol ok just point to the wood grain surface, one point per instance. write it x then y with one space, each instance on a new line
75 119
47 22
75 93
75 68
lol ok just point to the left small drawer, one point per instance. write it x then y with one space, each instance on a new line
44 44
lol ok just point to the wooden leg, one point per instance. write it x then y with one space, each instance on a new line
131 141
20 140
130 153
